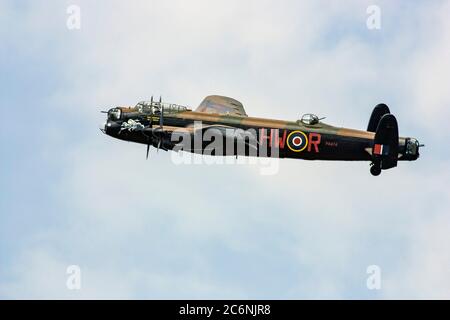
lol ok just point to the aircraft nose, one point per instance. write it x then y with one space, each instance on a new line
111 128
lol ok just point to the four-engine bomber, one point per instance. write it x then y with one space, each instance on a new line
225 129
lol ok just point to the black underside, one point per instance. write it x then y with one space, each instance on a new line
330 146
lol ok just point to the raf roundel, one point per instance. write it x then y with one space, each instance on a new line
297 141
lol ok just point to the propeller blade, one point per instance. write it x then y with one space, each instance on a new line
161 112
159 145
148 149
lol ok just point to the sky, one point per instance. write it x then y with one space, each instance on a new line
139 229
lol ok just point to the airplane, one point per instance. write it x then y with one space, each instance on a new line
158 124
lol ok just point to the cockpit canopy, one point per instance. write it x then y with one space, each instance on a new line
310 119
155 107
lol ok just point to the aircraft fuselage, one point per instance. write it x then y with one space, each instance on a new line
292 139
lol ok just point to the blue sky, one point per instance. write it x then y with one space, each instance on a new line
152 229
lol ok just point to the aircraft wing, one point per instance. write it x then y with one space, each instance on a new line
222 105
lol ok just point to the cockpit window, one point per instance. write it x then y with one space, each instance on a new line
144 107
310 119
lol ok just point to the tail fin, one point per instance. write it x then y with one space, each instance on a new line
385 148
379 111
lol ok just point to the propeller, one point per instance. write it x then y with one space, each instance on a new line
148 138
161 121
159 145
159 128
162 113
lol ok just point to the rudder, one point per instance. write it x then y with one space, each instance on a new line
378 112
385 148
